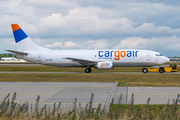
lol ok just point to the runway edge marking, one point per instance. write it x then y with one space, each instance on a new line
110 96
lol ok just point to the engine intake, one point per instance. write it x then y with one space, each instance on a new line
107 65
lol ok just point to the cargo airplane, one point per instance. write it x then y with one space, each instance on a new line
101 59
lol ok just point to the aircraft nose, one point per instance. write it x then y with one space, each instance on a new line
164 60
167 59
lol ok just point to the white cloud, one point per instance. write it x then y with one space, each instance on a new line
37 41
60 45
90 44
93 21
56 44
93 24
53 21
150 28
154 43
47 18
70 44
132 42
13 43
48 3
96 44
168 43
78 22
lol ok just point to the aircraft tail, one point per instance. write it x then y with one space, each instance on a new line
23 42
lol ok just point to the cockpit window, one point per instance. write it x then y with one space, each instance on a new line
159 55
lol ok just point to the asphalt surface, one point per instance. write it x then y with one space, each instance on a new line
51 92
157 95
93 72
66 92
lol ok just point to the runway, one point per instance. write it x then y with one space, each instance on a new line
90 73
66 92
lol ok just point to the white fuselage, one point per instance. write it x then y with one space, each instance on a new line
119 57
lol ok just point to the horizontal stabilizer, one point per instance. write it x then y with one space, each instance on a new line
17 52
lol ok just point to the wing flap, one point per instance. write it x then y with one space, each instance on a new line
82 61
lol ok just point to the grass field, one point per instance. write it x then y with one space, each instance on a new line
124 79
10 110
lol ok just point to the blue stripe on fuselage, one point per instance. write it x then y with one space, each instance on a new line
19 35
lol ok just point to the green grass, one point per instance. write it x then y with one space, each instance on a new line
9 110
139 106
121 84
124 79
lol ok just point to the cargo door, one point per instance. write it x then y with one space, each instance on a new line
148 56
156 59
39 57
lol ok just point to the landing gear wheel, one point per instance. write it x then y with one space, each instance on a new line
88 70
161 70
144 70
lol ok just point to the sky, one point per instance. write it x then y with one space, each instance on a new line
92 24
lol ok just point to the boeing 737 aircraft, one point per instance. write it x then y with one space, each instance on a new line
100 59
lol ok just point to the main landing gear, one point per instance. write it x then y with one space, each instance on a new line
144 70
88 70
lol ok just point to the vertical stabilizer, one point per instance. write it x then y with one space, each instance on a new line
23 42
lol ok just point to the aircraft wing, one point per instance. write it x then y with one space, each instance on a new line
17 52
82 61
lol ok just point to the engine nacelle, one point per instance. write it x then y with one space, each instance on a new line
106 65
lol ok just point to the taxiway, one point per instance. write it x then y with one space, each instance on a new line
66 92
22 72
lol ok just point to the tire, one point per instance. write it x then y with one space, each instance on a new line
144 70
161 70
87 70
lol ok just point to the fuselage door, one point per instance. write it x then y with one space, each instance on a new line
148 56
39 57
156 59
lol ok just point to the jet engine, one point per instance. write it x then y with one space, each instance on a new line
106 65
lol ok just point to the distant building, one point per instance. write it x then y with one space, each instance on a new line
174 59
9 59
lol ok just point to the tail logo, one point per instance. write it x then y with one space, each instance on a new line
19 34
